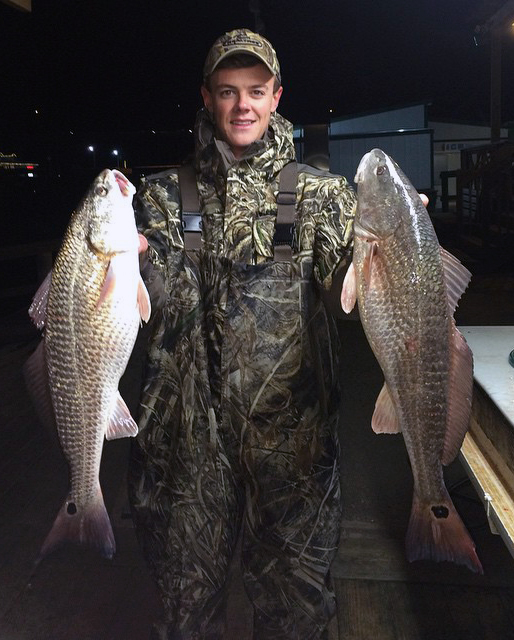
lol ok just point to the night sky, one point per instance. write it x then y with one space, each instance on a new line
108 68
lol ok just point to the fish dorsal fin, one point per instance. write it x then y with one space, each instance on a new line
460 394
37 309
35 372
385 418
143 300
457 278
349 290
121 424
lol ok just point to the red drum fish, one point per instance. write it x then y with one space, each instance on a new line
407 287
90 306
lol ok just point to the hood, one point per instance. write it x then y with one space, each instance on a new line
269 154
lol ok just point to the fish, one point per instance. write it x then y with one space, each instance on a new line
407 288
89 307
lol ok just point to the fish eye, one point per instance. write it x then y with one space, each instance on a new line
100 191
381 169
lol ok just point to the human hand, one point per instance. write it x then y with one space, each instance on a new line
424 199
143 243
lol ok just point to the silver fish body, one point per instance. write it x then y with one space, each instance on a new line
407 288
91 307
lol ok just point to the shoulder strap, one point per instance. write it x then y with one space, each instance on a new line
286 210
286 213
191 216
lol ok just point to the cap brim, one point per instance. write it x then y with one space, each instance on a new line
235 50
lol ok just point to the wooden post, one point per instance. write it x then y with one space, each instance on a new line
496 67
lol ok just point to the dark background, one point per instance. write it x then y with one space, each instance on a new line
125 75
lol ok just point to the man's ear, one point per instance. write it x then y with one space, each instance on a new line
207 98
276 99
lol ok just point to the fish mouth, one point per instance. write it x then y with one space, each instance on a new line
126 187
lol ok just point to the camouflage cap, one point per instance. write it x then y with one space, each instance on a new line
241 41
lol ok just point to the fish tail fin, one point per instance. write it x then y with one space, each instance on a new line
436 532
88 525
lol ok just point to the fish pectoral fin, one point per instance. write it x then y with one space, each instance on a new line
121 423
385 418
372 248
460 395
349 290
37 309
457 278
143 301
108 286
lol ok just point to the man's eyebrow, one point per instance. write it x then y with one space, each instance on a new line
258 85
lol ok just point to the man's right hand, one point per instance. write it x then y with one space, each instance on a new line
143 243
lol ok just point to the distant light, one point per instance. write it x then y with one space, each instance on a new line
153 131
30 175
331 111
90 148
401 130
29 166
36 111
71 132
190 130
115 152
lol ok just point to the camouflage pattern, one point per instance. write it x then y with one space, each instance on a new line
241 41
240 403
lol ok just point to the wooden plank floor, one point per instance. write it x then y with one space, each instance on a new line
75 595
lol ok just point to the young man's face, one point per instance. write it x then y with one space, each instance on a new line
241 101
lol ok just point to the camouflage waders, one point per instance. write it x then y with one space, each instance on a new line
239 409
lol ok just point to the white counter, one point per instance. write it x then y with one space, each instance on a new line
487 452
491 347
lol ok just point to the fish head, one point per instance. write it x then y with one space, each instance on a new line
383 196
108 214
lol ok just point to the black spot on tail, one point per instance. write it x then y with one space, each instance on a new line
440 511
71 509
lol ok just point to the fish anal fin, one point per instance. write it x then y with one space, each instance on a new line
143 301
385 417
37 309
437 533
457 278
121 424
460 394
87 525
349 290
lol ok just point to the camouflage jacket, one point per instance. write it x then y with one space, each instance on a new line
240 337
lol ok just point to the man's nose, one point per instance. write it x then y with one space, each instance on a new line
242 102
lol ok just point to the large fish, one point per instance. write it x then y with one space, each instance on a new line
407 288
90 305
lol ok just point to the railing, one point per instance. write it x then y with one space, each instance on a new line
485 195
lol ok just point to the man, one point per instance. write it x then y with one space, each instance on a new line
238 424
